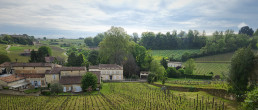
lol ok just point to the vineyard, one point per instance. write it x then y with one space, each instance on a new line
126 96
221 69
159 54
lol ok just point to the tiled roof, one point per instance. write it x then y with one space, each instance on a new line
11 78
31 64
55 70
32 75
5 64
94 67
65 80
73 69
106 66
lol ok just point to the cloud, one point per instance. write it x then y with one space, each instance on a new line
241 25
89 17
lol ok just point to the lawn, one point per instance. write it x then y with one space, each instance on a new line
159 54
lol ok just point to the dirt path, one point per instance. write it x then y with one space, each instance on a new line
7 49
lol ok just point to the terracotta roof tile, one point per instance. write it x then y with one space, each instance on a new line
31 64
65 80
73 69
11 78
32 75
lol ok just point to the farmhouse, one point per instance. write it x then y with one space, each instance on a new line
42 74
108 71
174 64
13 82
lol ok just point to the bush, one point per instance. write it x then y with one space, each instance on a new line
46 93
56 88
135 76
173 73
251 101
89 80
31 91
5 87
151 78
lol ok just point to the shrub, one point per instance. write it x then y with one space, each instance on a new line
191 89
56 88
251 101
151 78
173 73
46 93
89 80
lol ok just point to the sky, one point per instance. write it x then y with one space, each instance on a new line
84 18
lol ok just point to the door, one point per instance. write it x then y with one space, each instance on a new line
64 89
110 77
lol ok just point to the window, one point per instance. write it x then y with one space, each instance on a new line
42 82
35 83
54 76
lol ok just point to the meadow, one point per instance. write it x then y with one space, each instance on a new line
221 69
122 96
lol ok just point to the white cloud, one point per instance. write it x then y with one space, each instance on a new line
241 25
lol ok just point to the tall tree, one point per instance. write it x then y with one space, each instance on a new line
241 67
4 58
93 57
115 45
164 63
189 66
71 59
33 56
89 80
246 30
43 51
79 60
130 67
89 41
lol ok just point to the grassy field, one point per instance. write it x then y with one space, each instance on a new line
159 54
2 49
74 42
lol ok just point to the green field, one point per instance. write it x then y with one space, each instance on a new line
120 96
159 54
15 50
216 68
74 42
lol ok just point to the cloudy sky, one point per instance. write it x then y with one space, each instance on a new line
82 18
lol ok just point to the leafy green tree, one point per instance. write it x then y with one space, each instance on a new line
256 32
164 63
71 59
89 41
251 101
157 69
44 38
4 58
79 60
114 47
189 66
130 67
89 80
246 30
172 72
93 57
240 70
98 38
56 88
44 51
33 56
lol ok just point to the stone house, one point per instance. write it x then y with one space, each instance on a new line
108 71
144 74
174 64
36 80
13 82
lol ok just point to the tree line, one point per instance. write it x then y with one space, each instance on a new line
18 39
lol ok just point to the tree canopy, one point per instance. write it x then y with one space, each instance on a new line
4 58
241 67
114 47
246 30
89 80
189 66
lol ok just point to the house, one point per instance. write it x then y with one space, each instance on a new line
36 80
144 74
73 83
108 71
13 82
174 64
53 75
